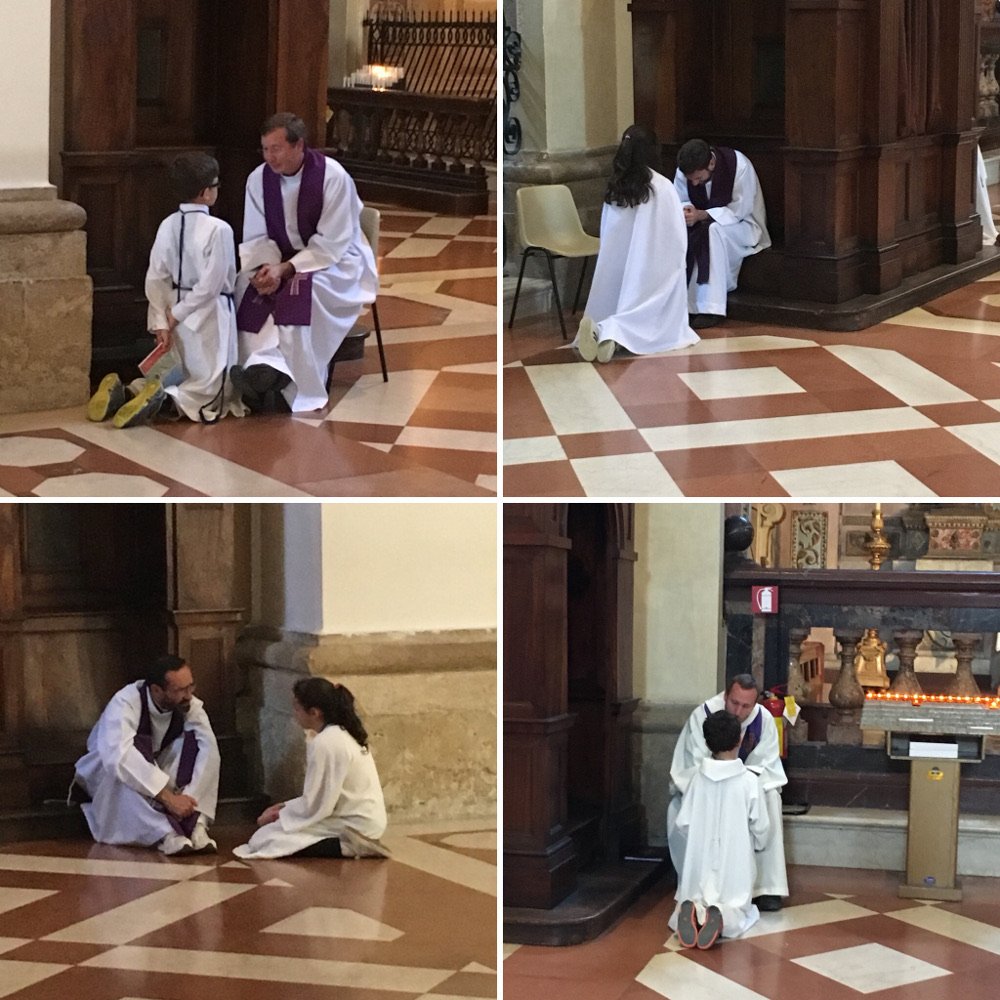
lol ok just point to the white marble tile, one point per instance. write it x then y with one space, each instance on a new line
16 976
478 967
161 871
927 320
149 913
100 484
420 334
734 383
447 438
372 401
487 482
278 883
4 493
640 474
509 949
483 840
743 345
333 922
951 925
406 277
378 445
9 944
904 378
794 918
577 400
447 996
24 452
985 438
458 868
804 427
851 479
442 225
201 471
11 899
234 864
871 968
523 451
478 368
437 827
272 969
415 246
681 978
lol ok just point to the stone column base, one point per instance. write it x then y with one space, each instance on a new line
428 701
46 302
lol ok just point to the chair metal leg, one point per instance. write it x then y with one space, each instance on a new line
517 291
555 292
579 284
378 338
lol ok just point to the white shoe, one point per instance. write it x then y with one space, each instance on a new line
606 351
174 843
586 339
201 841
360 846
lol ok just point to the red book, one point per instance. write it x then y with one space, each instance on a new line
150 359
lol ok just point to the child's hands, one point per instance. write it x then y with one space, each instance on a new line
270 814
171 321
163 339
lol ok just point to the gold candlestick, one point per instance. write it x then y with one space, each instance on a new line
879 546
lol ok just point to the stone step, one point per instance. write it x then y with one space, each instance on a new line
876 839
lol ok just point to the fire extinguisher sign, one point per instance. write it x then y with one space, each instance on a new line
764 600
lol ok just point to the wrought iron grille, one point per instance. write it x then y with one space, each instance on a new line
511 89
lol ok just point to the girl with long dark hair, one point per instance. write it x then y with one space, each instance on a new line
638 298
341 811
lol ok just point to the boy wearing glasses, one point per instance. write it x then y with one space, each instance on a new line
189 285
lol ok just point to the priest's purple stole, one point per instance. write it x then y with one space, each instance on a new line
723 178
291 304
143 742
751 738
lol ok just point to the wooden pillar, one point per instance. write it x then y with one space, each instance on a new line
539 858
204 621
14 791
657 59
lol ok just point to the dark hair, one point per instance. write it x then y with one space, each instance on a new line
294 126
631 178
191 173
745 681
334 701
722 732
156 672
694 155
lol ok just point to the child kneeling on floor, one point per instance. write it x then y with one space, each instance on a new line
189 285
725 819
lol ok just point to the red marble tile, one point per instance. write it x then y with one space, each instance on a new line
523 413
412 481
395 311
480 227
541 479
456 255
606 443
456 462
955 414
438 354
475 289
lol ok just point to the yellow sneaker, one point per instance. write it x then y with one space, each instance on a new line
108 400
143 406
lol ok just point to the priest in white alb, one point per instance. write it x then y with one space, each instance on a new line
151 771
307 271
758 749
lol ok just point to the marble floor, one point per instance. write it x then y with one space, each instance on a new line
79 920
910 406
843 933
429 431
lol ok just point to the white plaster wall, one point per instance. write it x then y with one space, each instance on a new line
24 82
679 651
410 566
353 568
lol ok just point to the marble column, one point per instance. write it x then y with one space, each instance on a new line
966 647
846 695
576 100
45 293
905 681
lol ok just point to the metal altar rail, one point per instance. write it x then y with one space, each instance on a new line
424 142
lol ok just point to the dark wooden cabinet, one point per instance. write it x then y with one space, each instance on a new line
568 796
